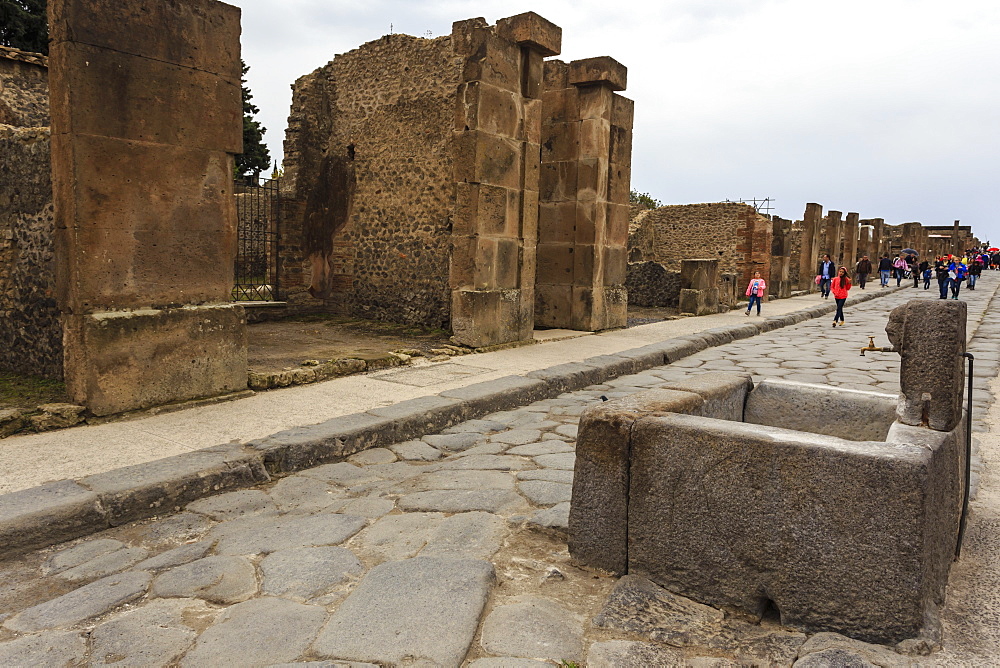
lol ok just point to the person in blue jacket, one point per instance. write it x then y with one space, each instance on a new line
826 271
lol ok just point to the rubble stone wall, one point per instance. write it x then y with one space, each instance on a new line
651 284
30 328
24 88
368 154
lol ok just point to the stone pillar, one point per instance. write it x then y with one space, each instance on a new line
879 245
699 287
146 116
865 241
778 283
851 241
955 240
930 338
835 236
583 211
497 154
809 255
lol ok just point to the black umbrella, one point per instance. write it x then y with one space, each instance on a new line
908 251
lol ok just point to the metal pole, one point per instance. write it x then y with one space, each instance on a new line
968 459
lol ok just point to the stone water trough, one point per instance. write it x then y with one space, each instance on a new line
831 509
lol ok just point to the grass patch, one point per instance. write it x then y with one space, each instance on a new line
17 391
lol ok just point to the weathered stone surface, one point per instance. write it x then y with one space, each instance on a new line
371 507
833 658
723 393
271 630
551 475
507 662
474 535
544 493
80 554
155 634
876 654
478 480
461 441
221 579
105 564
170 530
562 460
341 473
305 494
639 606
930 336
543 448
486 463
399 536
462 500
56 648
47 514
622 653
444 599
234 504
306 572
556 517
821 409
696 527
416 451
289 532
533 627
517 436
373 456
88 601
175 557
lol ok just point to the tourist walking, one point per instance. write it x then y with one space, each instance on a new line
975 271
899 264
825 272
840 286
755 291
862 269
943 279
884 269
926 272
957 272
914 271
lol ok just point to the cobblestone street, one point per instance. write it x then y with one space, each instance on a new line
449 550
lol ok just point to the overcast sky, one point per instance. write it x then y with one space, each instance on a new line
890 108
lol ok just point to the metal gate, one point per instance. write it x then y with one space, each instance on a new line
256 269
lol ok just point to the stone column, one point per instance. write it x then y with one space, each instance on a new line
778 283
583 214
955 240
851 241
865 241
497 154
835 236
699 287
146 116
809 255
878 241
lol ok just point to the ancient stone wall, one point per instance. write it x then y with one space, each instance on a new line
29 318
369 156
640 237
144 207
24 88
795 252
650 284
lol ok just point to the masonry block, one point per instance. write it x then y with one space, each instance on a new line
531 30
602 70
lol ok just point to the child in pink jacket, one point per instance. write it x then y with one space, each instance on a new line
755 290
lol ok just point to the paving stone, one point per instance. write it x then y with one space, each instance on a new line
231 505
486 463
461 441
444 599
533 627
460 501
517 436
170 531
544 493
621 653
543 448
80 554
833 658
876 654
569 430
285 533
106 564
437 480
398 537
373 456
506 662
325 664
307 572
474 535
175 557
304 494
55 648
395 471
482 449
220 579
271 630
341 473
155 634
562 460
552 475
416 451
556 517
477 427
88 601
371 507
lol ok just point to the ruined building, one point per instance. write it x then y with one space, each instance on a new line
417 170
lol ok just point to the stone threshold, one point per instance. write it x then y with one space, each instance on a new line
63 510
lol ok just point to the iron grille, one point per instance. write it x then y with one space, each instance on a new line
256 270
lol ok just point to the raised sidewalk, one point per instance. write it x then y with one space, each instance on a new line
68 483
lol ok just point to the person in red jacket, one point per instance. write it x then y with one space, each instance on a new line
755 291
840 287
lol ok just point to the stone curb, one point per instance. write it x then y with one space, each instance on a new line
59 511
